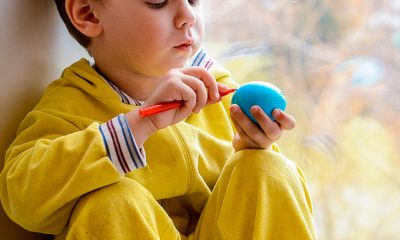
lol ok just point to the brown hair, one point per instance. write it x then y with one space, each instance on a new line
81 38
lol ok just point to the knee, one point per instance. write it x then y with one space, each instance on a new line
263 163
117 211
274 185
118 195
269 170
271 173
267 176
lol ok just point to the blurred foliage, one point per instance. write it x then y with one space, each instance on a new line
337 63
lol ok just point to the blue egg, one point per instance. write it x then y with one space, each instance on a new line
262 94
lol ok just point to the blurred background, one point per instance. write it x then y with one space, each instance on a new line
338 64
336 61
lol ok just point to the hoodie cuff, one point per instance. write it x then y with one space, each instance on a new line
121 146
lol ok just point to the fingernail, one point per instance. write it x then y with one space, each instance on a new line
255 109
234 109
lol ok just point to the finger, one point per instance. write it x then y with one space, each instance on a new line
222 87
206 77
188 95
242 134
249 127
200 90
269 127
285 120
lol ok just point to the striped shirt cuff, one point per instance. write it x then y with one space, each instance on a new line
120 145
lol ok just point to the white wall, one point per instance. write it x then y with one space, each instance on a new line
34 48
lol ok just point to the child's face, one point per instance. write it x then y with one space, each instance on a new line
149 37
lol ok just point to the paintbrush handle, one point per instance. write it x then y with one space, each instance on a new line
161 107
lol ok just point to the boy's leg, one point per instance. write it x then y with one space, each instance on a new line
259 195
124 210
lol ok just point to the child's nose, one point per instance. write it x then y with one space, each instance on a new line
185 15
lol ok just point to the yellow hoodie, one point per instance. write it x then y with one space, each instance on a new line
60 154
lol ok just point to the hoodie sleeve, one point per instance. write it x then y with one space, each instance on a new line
48 167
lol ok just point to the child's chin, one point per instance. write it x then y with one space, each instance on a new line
164 71
179 64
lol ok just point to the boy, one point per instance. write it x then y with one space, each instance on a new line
78 169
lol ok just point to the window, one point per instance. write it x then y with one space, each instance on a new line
338 63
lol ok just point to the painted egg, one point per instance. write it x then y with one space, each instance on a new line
263 94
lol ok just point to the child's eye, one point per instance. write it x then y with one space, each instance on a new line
157 5
194 2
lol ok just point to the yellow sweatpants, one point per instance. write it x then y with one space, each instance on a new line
260 195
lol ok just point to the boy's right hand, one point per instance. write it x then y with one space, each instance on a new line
195 86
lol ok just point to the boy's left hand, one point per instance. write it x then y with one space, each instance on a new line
251 136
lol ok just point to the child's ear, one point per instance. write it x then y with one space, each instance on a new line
83 15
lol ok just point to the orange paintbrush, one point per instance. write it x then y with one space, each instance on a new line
148 111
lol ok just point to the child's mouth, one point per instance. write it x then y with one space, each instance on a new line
184 47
